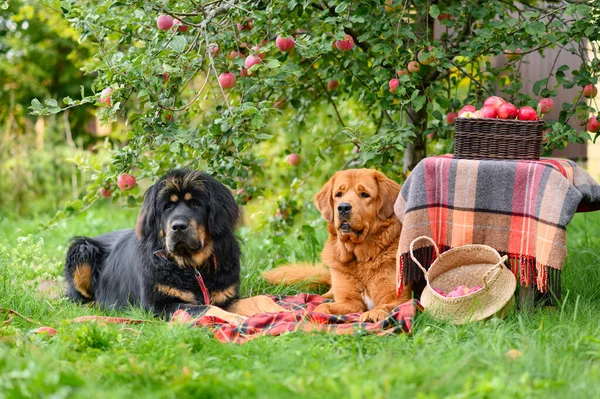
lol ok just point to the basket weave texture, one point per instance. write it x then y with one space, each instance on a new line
480 138
468 265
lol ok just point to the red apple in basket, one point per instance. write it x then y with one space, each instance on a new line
467 108
507 111
488 111
527 113
493 101
442 293
459 291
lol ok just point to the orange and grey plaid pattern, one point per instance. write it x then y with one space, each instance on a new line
520 208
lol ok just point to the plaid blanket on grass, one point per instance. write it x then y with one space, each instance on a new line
520 208
302 318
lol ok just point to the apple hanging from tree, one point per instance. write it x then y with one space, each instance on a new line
294 159
394 83
105 96
227 80
105 192
235 54
593 125
403 72
180 26
332 85
507 111
256 50
413 67
590 91
165 76
252 60
444 16
546 105
164 22
284 43
214 50
451 117
281 103
125 181
513 55
346 44
429 59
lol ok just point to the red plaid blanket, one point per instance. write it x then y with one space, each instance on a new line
302 318
299 318
520 208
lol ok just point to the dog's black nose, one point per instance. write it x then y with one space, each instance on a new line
344 208
179 225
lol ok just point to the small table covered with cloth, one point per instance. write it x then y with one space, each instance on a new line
520 208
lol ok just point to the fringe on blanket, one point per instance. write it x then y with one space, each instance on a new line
545 278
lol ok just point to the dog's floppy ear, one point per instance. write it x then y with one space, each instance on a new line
324 201
223 211
388 193
147 222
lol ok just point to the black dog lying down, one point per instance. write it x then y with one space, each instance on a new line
183 254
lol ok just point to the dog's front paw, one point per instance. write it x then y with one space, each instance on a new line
323 308
374 315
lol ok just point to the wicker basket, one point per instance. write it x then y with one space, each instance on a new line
480 138
468 265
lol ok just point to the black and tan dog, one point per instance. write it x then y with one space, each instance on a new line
183 254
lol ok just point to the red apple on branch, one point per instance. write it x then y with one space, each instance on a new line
235 54
105 192
593 125
252 60
394 83
227 80
284 43
180 26
590 91
403 72
332 85
125 181
428 60
164 22
346 44
546 105
451 117
105 96
413 67
294 159
513 55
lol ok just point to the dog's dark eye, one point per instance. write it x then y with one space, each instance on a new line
364 195
339 194
195 204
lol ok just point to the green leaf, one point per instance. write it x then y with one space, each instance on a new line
434 11
178 43
50 102
273 63
538 86
419 102
77 205
535 28
341 8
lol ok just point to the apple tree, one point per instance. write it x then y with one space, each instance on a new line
329 84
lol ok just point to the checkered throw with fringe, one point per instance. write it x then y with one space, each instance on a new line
520 208
301 317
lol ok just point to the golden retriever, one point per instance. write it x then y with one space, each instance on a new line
361 249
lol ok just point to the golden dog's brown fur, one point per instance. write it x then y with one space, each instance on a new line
361 249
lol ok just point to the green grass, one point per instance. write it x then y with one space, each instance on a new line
560 347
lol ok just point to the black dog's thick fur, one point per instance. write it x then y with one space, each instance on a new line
155 265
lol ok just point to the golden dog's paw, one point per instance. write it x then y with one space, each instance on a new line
323 308
374 315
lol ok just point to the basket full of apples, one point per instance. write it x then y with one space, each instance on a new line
500 130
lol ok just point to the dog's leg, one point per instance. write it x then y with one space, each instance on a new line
346 293
81 266
255 305
390 302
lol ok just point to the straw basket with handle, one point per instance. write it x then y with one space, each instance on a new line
468 265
